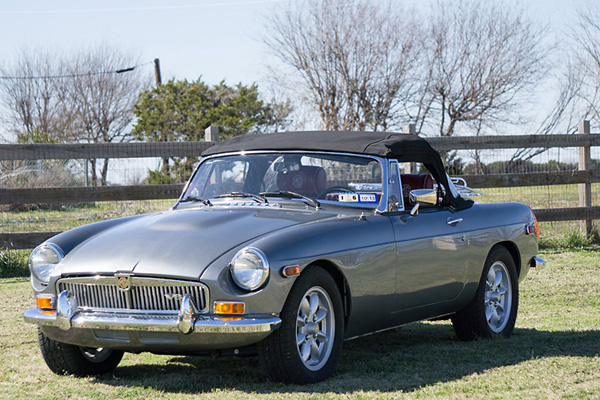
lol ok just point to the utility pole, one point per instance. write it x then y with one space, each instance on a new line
157 72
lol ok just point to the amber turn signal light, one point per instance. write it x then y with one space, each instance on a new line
44 302
229 307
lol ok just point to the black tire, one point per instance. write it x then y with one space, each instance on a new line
64 358
493 311
280 353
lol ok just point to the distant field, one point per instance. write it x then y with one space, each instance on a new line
557 196
72 216
68 217
554 354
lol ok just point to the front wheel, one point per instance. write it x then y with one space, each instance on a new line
63 358
493 310
306 347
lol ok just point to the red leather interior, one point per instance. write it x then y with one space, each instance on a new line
414 181
308 180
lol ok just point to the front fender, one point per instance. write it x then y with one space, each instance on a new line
361 248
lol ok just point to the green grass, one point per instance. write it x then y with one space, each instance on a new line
554 353
13 263
555 196
559 234
73 216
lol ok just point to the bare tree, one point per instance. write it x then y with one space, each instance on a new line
87 96
482 57
581 83
577 80
103 102
370 65
35 98
354 59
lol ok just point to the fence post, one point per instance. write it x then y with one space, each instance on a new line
411 129
585 189
87 173
211 134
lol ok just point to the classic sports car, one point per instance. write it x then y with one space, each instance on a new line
285 244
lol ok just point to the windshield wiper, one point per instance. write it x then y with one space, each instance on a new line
285 194
206 202
259 198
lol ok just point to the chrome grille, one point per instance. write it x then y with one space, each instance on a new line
144 294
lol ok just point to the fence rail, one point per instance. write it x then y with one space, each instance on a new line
89 194
584 177
189 149
61 151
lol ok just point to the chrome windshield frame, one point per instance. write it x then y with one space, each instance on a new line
383 162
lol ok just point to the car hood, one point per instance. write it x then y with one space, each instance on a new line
180 243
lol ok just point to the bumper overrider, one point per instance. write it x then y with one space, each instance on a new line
131 330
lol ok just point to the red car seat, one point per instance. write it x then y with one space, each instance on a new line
414 181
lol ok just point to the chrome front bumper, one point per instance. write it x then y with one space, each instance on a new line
87 328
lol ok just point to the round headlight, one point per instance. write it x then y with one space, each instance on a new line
249 268
43 260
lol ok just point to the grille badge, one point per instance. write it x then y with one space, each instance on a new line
123 281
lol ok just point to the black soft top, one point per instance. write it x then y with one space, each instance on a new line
382 144
402 147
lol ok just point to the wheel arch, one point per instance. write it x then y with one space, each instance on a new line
340 281
514 252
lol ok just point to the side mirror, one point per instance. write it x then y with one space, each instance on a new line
422 196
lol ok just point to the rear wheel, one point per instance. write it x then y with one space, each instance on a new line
493 310
306 347
64 358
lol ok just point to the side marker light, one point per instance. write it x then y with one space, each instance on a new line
290 270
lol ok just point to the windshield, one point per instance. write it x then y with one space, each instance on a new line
351 180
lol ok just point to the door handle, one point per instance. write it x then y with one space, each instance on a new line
454 221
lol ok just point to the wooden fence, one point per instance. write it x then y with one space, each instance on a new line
584 176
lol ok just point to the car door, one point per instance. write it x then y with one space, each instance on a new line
432 252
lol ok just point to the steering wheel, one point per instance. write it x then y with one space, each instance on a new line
333 189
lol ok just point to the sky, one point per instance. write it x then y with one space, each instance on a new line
213 39
218 40
210 39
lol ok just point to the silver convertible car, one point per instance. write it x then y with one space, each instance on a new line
285 245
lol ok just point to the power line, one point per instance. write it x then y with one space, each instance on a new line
155 8
118 71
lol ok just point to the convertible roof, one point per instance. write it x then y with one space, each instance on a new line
403 147
382 144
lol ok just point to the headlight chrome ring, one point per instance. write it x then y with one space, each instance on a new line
43 261
249 268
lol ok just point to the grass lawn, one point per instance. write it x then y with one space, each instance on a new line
554 354
67 217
